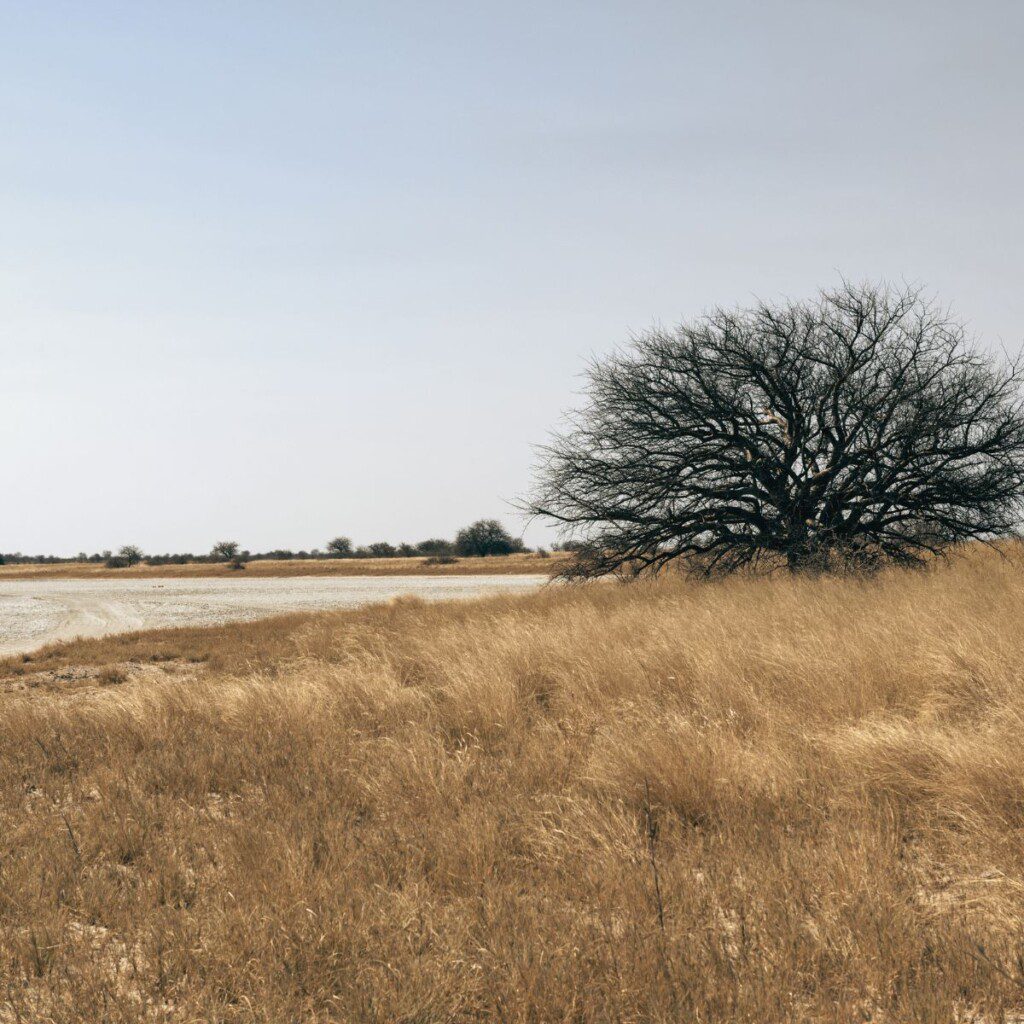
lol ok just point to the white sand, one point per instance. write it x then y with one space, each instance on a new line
38 612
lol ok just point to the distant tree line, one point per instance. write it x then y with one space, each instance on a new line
484 538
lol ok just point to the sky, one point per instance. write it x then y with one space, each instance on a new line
279 271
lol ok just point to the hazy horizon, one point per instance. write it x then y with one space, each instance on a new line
280 272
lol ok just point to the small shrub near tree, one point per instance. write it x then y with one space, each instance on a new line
440 560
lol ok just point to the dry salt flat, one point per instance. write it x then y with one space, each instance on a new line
38 612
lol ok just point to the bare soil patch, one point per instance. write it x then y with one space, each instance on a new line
34 613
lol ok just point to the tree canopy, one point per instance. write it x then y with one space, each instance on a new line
486 537
853 430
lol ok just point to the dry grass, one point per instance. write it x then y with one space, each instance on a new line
506 565
749 801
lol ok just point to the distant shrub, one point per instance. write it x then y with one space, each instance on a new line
237 563
340 547
116 562
435 546
169 559
382 549
573 546
224 550
486 537
440 560
131 554
543 553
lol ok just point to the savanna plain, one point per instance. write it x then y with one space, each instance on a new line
526 563
784 799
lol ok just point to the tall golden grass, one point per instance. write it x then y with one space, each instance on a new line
775 800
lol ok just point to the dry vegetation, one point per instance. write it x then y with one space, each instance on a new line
792 800
506 564
497 566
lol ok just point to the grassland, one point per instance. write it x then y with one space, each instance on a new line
509 564
782 800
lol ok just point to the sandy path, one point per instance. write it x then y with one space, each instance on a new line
38 612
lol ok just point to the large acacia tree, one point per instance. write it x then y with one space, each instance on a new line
854 430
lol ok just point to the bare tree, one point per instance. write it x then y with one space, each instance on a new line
853 430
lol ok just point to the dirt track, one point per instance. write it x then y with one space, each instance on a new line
38 612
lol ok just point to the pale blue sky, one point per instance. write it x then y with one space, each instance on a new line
278 271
